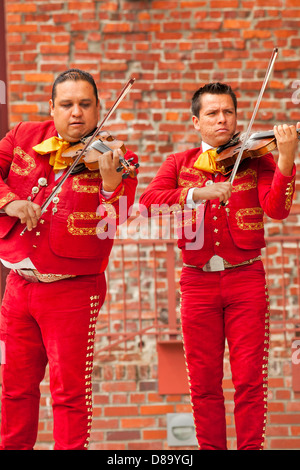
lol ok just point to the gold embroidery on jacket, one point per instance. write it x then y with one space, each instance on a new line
87 182
182 197
188 218
28 161
249 212
245 186
77 223
118 195
8 198
289 193
164 209
190 178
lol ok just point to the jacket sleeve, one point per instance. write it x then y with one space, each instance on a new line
274 189
163 189
6 158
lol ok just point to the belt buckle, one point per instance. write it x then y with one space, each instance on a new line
28 275
216 263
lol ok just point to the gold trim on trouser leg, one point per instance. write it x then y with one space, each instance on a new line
265 365
94 309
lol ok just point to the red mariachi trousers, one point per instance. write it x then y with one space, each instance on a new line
53 323
233 305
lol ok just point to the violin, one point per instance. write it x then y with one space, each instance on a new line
258 144
101 143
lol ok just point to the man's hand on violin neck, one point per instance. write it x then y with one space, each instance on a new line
28 212
287 142
221 191
108 164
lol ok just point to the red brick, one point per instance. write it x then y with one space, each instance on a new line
220 4
275 406
183 408
22 28
116 27
291 444
250 34
163 5
143 445
133 423
121 411
105 423
85 26
155 434
54 49
190 4
156 409
119 386
107 446
283 394
123 435
20 7
285 418
24 108
39 77
82 5
277 431
237 24
295 430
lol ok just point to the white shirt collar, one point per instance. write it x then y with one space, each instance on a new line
206 146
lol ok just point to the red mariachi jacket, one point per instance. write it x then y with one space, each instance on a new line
234 232
65 240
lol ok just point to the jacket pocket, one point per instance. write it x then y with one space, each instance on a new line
76 236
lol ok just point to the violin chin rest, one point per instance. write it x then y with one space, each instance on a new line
78 168
233 141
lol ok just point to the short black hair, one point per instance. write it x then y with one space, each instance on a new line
75 75
214 89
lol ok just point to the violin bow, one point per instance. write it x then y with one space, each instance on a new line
121 96
247 134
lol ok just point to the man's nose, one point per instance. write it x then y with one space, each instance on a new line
221 117
76 110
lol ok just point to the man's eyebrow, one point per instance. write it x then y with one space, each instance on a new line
229 108
69 100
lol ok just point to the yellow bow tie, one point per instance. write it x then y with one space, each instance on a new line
206 161
55 146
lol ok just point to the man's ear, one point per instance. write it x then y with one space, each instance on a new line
196 123
51 105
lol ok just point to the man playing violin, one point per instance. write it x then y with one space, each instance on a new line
56 285
223 288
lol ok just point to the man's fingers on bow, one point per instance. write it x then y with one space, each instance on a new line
225 191
29 214
34 213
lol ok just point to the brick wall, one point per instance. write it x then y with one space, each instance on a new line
171 47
